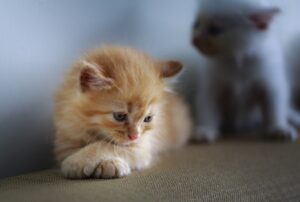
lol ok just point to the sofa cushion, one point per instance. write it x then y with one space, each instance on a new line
231 170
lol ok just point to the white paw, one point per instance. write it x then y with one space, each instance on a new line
287 133
113 168
77 168
204 134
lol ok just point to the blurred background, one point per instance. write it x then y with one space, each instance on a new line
40 39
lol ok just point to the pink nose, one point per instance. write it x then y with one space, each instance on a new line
133 136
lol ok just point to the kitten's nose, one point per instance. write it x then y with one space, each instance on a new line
133 136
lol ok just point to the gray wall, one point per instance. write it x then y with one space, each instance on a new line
40 39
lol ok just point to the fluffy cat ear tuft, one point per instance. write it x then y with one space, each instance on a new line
91 78
263 18
170 68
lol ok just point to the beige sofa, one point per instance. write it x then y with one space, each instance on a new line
230 170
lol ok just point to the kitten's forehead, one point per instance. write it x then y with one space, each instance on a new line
138 112
205 22
141 104
134 105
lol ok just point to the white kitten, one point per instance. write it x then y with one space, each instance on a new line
246 70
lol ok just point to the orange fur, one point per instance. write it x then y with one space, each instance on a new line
89 142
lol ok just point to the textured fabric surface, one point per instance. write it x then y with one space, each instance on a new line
232 170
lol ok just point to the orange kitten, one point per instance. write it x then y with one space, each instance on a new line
114 112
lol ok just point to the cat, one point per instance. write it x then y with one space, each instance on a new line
115 112
246 71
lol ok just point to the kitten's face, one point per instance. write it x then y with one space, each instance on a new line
119 120
121 92
216 35
225 34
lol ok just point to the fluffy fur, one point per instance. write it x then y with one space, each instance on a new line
109 82
246 69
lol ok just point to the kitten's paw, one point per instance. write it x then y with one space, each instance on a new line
206 135
288 133
77 168
113 168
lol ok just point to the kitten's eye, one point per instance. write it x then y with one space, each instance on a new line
215 30
148 119
119 116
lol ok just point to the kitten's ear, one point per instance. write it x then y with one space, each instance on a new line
170 68
263 18
92 78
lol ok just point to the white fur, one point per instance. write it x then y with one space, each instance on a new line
258 62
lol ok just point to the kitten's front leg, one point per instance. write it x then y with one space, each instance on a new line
97 160
275 108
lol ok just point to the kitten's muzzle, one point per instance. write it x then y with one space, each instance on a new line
203 45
